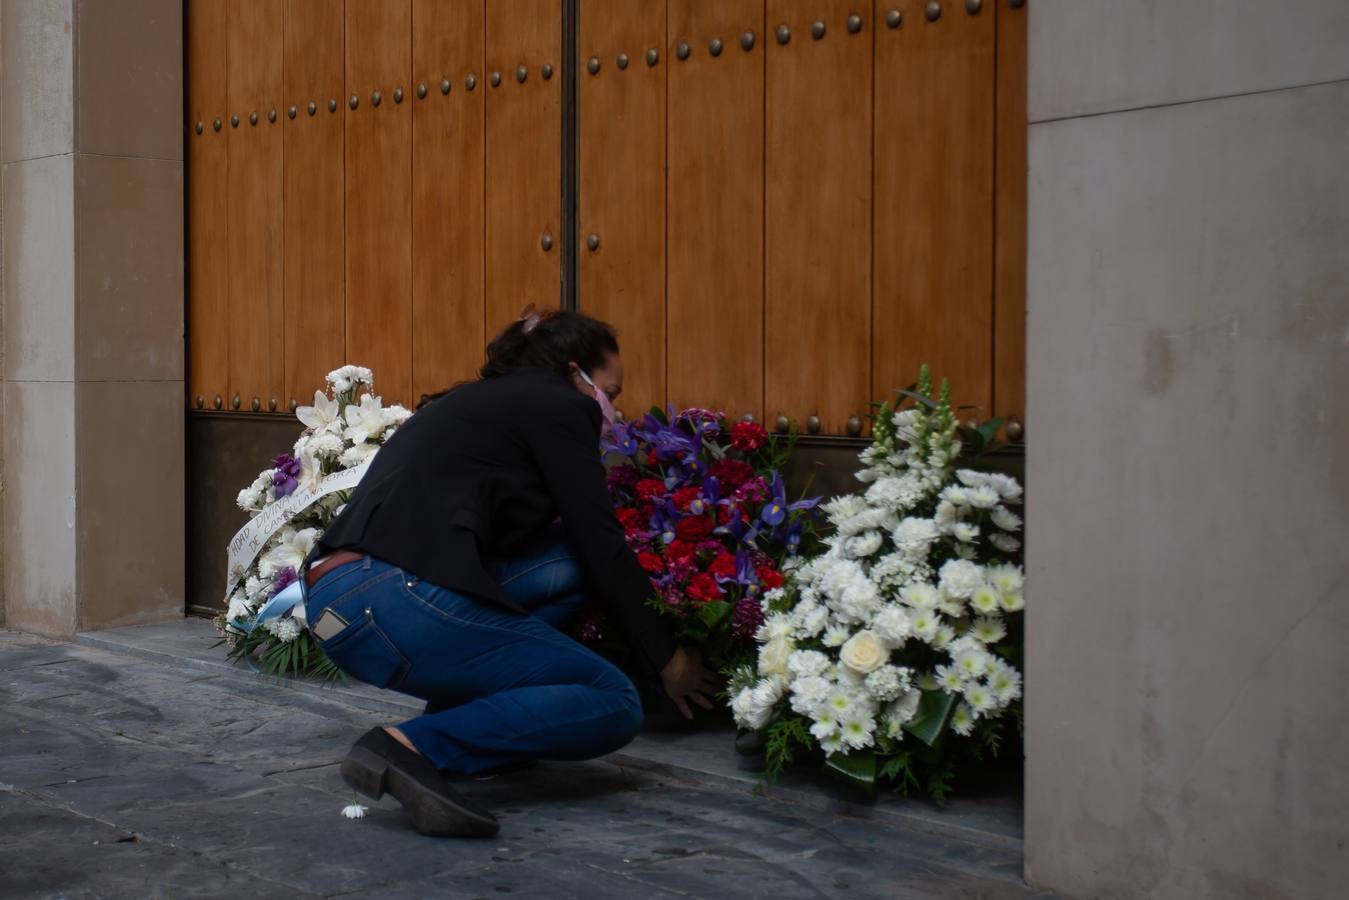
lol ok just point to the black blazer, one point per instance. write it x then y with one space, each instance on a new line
480 472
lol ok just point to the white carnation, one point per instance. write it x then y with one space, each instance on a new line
807 663
960 578
357 455
810 693
892 624
895 493
812 623
915 536
860 600
285 628
348 377
887 682
773 656
775 627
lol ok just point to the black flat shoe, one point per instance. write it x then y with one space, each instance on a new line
377 764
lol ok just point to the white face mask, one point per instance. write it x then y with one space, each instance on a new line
606 406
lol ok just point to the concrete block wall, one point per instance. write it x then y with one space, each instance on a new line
92 154
1189 358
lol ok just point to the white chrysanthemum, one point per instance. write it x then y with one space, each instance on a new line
1005 683
956 495
952 607
887 683
833 743
920 596
1006 578
985 599
843 507
895 494
960 578
925 623
943 638
836 636
901 712
949 678
980 698
971 662
857 731
863 545
965 532
354 811
348 377
962 720
753 706
839 576
868 520
892 625
1006 486
1005 519
983 497
947 515
775 625
825 724
988 629
357 455
322 416
1013 602
1004 542
807 663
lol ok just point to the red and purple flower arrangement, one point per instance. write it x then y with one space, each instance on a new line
705 509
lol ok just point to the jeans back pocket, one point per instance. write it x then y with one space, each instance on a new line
364 651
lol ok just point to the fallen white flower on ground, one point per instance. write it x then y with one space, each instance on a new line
354 811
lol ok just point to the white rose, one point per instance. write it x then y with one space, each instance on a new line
773 656
864 653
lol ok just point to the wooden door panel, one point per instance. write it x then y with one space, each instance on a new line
314 195
622 186
523 157
818 214
447 194
255 231
379 193
1009 249
934 201
715 206
208 321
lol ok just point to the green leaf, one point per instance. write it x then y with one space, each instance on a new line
659 415
934 711
713 612
921 398
989 430
856 769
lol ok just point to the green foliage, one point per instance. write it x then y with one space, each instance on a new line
301 658
857 770
782 740
934 712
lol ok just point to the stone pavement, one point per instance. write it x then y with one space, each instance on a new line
128 776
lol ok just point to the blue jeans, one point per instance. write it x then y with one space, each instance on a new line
500 687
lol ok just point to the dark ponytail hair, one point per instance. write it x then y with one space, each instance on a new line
547 339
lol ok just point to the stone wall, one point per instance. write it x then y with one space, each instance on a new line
1189 359
93 312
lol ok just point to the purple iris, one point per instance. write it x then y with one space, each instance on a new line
620 440
286 478
776 509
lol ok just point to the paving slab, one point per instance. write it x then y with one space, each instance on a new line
126 775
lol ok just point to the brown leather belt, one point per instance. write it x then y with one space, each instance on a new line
340 558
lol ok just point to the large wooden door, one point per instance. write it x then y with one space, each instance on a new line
369 182
785 207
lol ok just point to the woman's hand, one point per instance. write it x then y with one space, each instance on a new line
686 678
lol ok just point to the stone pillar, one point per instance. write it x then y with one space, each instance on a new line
93 311
1188 508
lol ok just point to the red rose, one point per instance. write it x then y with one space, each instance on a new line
648 488
679 551
723 565
685 496
694 529
704 587
748 436
652 459
650 562
732 472
629 518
